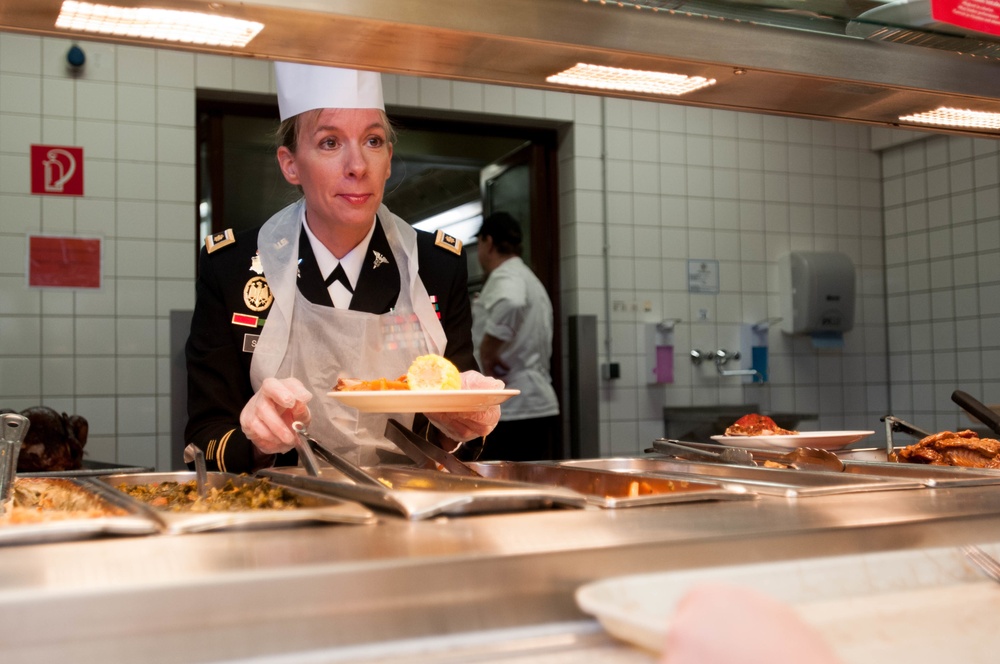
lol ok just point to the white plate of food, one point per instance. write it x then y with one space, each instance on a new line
421 401
824 440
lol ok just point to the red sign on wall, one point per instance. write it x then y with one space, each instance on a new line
56 170
64 262
979 15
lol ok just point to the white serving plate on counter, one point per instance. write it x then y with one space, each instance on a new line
824 440
926 605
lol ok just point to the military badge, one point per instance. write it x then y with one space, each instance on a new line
449 242
257 294
255 265
379 259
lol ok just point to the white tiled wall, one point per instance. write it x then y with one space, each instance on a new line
677 183
102 354
742 189
942 246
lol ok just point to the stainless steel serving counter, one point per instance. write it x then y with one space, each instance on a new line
232 596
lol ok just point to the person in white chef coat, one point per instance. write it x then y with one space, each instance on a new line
512 329
334 285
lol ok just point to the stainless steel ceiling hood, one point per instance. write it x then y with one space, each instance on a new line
808 64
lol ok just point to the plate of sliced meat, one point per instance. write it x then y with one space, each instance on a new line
824 440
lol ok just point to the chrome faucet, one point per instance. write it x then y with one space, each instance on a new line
721 357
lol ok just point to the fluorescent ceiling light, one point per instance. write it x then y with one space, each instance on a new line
629 80
151 23
956 117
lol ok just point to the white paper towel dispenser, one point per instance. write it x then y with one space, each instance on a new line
817 292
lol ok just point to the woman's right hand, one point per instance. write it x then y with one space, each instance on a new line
267 418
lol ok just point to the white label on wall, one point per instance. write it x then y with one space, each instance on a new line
703 276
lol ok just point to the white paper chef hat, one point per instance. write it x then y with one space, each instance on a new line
303 87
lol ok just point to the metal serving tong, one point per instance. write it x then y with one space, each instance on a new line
896 425
800 458
310 449
423 452
730 455
15 428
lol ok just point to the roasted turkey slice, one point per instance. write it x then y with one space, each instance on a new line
950 448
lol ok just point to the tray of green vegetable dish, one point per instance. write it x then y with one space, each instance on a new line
231 502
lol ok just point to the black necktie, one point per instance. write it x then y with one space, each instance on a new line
338 274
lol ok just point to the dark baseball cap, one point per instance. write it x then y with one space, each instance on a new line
503 228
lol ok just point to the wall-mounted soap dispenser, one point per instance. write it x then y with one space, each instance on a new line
753 348
658 352
817 294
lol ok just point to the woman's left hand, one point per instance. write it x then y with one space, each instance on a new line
462 427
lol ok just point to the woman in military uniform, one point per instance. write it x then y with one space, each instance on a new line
332 286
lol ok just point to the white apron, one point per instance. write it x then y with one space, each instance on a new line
319 344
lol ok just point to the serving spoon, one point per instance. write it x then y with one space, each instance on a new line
194 454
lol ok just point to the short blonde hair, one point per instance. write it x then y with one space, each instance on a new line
287 134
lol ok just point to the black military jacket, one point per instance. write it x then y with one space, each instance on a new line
232 304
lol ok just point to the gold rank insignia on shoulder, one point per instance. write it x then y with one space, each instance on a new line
219 240
449 242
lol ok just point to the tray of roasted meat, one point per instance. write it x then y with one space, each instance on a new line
60 509
768 481
231 502
609 489
418 493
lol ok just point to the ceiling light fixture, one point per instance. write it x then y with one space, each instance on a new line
152 23
629 80
956 117
461 222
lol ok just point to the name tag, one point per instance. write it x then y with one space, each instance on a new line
250 342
